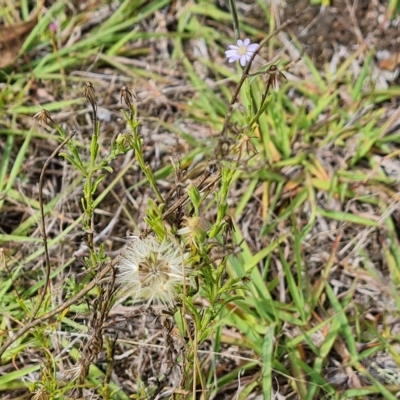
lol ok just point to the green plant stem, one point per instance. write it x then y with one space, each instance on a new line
137 145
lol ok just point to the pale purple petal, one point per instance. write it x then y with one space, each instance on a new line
252 47
233 47
246 42
234 58
239 42
230 53
243 61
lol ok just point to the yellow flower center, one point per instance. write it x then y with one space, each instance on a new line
242 50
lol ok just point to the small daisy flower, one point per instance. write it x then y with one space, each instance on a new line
151 271
243 51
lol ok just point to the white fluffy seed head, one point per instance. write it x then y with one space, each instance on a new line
151 271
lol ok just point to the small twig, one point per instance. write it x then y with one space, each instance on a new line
62 307
43 222
101 307
179 203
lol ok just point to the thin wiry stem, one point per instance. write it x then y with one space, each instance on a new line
43 222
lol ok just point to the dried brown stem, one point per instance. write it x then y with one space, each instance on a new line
183 199
60 308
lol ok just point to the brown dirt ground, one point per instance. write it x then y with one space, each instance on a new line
344 23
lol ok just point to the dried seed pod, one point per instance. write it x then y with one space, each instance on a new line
90 94
274 76
127 96
152 271
43 116
228 226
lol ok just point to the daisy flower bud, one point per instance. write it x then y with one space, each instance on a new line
53 27
151 271
193 231
243 51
